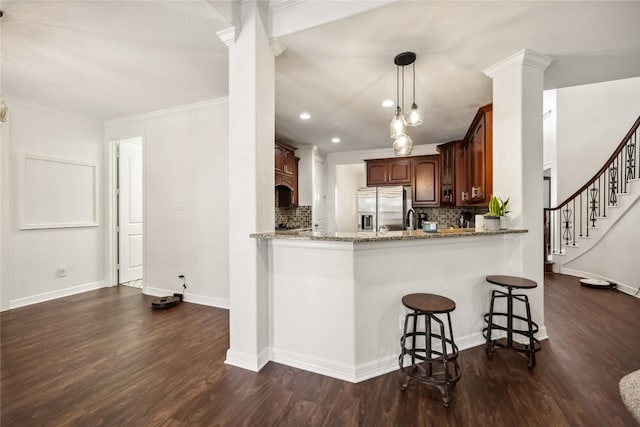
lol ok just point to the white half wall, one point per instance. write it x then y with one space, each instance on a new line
591 121
185 199
35 259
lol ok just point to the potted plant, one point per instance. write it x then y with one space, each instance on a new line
503 213
497 210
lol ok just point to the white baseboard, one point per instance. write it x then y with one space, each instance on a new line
247 361
370 369
188 297
47 296
622 287
313 364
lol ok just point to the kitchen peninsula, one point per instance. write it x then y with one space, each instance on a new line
335 299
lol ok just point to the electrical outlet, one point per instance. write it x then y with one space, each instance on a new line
62 271
401 319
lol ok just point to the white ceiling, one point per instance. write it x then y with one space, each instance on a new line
111 59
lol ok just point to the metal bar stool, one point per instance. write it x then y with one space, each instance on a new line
435 366
533 345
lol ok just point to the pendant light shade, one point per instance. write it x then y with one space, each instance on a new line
402 144
414 116
398 124
3 110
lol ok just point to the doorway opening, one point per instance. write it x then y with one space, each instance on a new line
129 208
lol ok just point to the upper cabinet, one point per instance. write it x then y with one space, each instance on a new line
425 171
422 173
286 175
477 158
388 172
448 169
285 158
467 165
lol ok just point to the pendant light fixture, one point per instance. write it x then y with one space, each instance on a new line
403 145
415 115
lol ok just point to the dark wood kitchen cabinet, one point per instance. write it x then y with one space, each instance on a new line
476 160
286 175
448 169
285 158
425 180
390 171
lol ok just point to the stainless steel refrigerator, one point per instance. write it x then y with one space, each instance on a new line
381 208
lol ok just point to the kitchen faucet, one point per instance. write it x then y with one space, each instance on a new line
410 222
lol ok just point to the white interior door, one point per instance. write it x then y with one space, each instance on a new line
130 210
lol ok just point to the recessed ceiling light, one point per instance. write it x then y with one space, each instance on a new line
387 103
305 116
335 140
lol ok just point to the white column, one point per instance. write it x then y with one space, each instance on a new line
517 158
251 185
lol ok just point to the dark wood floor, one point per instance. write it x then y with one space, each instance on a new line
106 358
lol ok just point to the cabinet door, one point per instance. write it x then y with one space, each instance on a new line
426 174
377 171
399 172
476 146
447 174
280 153
294 196
289 162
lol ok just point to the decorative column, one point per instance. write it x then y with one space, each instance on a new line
517 158
251 183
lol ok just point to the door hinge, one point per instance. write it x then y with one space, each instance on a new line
117 228
117 266
117 191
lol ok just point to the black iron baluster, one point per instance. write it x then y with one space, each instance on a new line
558 220
631 159
580 206
599 195
566 234
574 222
613 185
594 206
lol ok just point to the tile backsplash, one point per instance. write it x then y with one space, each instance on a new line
299 217
448 216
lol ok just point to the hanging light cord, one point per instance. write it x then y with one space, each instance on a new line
403 88
397 86
414 82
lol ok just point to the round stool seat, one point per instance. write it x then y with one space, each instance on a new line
428 303
512 282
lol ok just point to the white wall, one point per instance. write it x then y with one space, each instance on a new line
591 121
34 256
186 199
348 179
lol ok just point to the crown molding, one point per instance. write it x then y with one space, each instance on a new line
167 111
277 5
227 36
9 100
525 57
276 47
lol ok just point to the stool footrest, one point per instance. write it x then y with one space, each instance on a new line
496 326
520 347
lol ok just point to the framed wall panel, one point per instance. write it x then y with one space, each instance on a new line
57 193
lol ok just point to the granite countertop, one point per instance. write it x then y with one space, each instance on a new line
364 237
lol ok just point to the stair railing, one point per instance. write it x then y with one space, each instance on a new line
581 211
